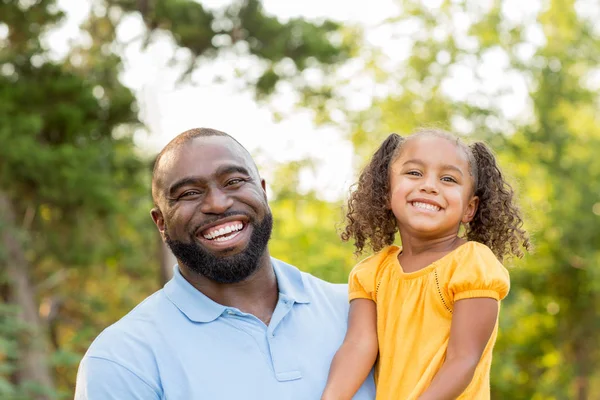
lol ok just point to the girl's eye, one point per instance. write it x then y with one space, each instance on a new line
414 173
448 179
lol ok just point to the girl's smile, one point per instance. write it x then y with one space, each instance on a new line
425 205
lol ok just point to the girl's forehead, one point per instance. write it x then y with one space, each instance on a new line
432 148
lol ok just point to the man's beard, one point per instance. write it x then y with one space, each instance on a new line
227 269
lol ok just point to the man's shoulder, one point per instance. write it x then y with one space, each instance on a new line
316 288
125 355
338 291
132 333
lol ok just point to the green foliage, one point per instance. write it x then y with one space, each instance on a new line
304 232
246 29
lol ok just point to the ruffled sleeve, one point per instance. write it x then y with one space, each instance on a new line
478 273
362 282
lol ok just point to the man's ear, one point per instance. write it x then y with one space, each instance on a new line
263 184
471 210
159 221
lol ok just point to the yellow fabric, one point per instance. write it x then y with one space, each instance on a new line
414 313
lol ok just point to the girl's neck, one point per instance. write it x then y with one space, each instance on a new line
418 253
417 246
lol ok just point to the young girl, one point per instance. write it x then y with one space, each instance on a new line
428 309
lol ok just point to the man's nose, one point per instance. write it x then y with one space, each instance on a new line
216 202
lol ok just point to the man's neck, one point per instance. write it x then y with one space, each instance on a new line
256 295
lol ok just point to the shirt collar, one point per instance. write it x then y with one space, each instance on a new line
199 308
290 281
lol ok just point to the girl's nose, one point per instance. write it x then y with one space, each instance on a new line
429 186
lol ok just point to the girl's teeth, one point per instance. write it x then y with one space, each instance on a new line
426 206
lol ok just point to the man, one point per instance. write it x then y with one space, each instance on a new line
233 323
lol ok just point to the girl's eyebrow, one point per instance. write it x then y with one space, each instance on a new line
452 168
444 167
414 161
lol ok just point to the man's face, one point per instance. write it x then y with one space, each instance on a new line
213 208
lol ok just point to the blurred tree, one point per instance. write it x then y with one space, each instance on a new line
305 230
74 192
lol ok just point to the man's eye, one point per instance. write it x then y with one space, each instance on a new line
189 193
234 181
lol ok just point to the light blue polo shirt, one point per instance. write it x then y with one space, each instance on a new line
179 344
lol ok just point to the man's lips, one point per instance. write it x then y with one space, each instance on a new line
223 227
222 230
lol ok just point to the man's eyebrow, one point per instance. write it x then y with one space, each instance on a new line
231 169
444 167
195 180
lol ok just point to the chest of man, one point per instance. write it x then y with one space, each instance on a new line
236 356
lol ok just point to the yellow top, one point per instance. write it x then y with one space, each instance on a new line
414 312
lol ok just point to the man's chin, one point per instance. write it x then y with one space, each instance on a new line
223 263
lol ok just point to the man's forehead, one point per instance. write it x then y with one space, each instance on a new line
202 153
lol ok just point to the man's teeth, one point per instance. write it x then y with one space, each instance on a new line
425 206
223 238
224 231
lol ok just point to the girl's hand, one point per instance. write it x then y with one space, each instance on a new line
355 358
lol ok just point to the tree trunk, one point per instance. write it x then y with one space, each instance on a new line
33 350
583 363
583 385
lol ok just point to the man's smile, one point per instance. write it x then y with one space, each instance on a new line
226 235
224 231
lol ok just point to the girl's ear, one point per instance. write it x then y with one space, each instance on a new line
471 210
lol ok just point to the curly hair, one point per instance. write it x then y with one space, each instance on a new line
497 222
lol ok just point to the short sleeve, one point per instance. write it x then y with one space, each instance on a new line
478 273
362 282
103 379
360 285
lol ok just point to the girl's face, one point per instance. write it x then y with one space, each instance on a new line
431 188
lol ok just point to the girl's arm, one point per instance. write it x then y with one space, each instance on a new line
473 323
357 354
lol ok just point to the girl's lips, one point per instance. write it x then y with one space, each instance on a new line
426 201
427 207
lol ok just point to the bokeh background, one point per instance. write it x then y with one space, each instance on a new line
90 90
